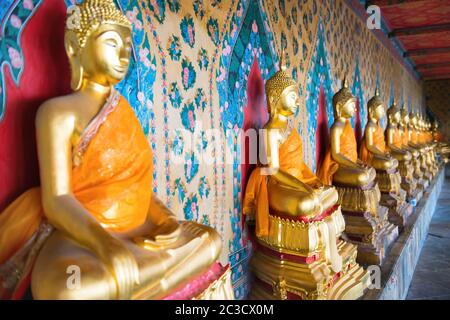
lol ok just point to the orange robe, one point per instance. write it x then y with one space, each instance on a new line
113 180
414 137
348 148
256 200
378 141
397 138
405 139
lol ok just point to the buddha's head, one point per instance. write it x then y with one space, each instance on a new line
404 117
393 114
98 43
375 107
344 103
420 123
282 93
413 120
435 125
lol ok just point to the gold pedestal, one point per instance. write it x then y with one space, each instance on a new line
394 197
290 263
286 275
409 182
367 223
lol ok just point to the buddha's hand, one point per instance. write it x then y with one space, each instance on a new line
167 232
122 264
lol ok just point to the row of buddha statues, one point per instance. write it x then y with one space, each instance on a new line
95 230
315 232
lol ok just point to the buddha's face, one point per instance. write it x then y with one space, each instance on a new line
405 119
378 112
289 102
106 55
349 109
396 117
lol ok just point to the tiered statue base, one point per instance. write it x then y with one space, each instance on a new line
394 197
409 182
413 191
399 209
280 275
427 178
367 223
290 263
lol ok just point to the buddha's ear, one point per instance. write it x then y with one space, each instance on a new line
73 51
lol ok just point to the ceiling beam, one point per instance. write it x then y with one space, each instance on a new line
438 77
432 65
387 3
423 52
420 30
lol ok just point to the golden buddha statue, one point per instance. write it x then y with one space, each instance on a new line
366 221
394 141
442 148
405 126
385 156
95 206
415 142
299 253
373 148
427 140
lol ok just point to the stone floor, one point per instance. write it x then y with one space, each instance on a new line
431 280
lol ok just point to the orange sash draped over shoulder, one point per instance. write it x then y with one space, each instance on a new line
414 137
114 179
348 147
291 159
397 138
379 143
111 177
405 137
256 200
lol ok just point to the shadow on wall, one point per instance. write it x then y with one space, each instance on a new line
46 74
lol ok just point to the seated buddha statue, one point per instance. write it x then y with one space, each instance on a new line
373 147
426 139
405 126
95 209
394 142
416 143
393 135
359 195
442 148
373 150
341 164
298 220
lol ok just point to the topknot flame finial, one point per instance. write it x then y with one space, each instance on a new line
282 65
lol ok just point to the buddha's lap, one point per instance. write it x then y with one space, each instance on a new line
60 256
358 177
381 163
295 202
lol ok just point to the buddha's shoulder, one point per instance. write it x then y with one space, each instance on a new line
371 126
337 126
58 109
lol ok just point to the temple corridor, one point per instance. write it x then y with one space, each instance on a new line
431 278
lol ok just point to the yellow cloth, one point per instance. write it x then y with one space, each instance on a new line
256 200
378 142
113 182
348 148
414 137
